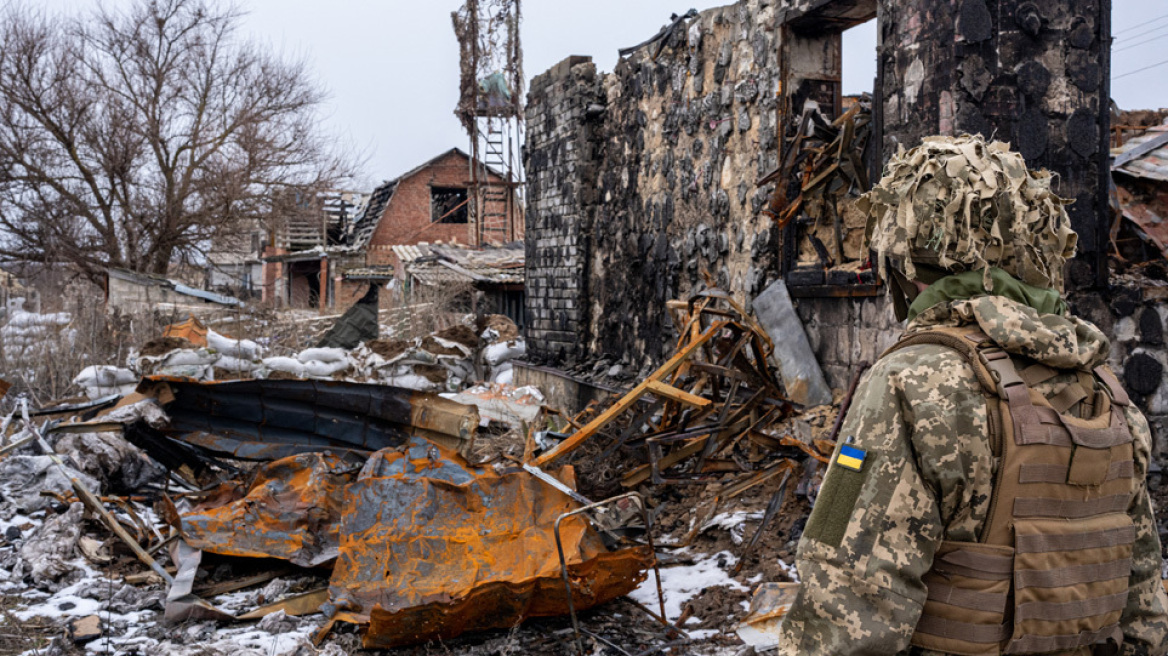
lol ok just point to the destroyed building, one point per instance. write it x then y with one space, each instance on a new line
428 204
644 183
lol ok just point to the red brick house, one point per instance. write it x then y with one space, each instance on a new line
430 204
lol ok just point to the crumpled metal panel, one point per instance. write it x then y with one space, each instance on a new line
270 419
291 511
431 547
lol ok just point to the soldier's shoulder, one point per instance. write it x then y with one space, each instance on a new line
922 359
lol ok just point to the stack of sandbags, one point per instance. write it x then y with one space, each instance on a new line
29 334
175 356
237 357
324 362
102 380
504 345
444 361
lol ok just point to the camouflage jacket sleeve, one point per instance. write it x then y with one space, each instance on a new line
1145 620
920 418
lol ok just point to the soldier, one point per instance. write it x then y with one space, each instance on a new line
988 493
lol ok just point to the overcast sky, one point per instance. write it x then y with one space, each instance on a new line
391 66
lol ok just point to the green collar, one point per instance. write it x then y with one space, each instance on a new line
962 286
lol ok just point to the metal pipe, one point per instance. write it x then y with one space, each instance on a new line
564 563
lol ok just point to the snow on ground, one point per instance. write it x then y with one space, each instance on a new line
681 583
733 523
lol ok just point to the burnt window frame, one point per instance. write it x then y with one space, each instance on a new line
455 211
825 21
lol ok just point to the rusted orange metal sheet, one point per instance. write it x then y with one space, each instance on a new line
431 547
191 330
427 546
291 511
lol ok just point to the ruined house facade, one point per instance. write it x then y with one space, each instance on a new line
642 182
427 205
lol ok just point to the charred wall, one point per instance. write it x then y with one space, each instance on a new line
563 112
685 127
1033 73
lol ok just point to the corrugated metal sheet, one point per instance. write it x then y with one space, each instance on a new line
1151 165
268 419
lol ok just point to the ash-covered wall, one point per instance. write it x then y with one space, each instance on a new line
659 173
643 181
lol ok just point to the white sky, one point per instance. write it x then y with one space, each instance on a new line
391 66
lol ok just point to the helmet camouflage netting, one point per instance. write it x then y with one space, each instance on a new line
961 204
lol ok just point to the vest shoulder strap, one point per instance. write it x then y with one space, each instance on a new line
966 340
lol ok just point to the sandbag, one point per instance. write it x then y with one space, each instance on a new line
229 363
497 353
285 364
330 355
318 369
99 375
244 349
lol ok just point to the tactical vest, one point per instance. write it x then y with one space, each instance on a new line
1050 571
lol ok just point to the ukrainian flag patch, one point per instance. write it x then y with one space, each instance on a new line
851 458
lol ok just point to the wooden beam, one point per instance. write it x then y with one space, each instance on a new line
627 401
674 394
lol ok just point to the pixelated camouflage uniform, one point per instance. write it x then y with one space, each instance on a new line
920 414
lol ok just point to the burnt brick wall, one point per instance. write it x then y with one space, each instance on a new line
560 160
675 144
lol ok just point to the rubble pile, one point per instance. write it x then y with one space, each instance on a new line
308 503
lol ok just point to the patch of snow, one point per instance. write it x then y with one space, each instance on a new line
732 522
684 582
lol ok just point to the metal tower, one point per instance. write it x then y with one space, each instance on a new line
490 108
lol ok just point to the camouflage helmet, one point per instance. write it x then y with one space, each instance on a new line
956 204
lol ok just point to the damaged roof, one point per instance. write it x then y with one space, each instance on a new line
173 285
1145 156
437 264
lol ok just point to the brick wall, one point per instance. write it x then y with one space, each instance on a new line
407 217
561 196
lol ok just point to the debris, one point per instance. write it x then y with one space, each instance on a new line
411 508
290 511
358 324
49 551
514 406
32 481
802 377
770 603
84 629
271 419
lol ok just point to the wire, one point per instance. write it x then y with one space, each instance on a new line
1144 24
1140 43
1136 36
1140 70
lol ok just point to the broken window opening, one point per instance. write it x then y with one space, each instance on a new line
829 151
449 205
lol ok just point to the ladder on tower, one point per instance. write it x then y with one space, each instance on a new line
494 196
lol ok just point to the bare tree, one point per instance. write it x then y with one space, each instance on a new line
134 138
